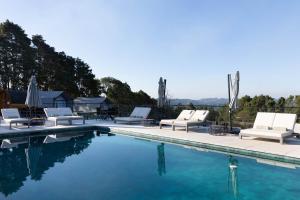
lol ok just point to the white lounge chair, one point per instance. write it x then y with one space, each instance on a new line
12 116
184 115
60 137
196 120
297 129
13 143
61 114
276 126
138 115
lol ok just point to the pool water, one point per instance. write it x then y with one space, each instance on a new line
90 166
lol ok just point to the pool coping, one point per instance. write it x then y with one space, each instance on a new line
202 145
40 132
213 147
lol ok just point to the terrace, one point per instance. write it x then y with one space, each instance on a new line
196 137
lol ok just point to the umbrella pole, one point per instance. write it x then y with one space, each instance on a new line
229 97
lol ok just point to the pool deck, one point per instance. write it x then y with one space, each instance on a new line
290 149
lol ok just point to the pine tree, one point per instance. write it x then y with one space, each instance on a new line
16 57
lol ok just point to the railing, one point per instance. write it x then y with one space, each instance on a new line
243 116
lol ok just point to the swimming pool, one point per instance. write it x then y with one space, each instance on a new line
91 166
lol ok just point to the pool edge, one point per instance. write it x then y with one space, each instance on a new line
226 149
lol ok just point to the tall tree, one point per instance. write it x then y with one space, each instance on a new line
16 57
47 61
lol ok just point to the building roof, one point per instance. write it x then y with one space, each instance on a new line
91 100
50 94
19 97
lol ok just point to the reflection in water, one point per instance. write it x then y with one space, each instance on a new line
33 153
60 137
14 142
34 158
232 176
161 159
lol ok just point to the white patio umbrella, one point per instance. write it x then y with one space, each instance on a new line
233 92
33 154
161 92
33 97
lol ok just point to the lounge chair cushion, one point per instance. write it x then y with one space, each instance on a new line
65 118
167 121
12 117
136 116
264 119
10 113
197 118
16 120
280 129
199 115
129 119
297 128
273 134
285 120
186 122
140 112
185 115
56 112
263 127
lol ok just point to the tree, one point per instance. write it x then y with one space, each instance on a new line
46 61
21 57
85 80
280 104
120 93
16 57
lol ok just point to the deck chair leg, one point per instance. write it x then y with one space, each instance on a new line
173 127
281 141
187 129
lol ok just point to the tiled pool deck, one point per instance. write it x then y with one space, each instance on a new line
290 151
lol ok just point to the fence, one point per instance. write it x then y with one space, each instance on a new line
243 116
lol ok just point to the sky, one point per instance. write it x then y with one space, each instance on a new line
193 44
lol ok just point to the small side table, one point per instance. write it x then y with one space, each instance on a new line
218 129
36 121
148 122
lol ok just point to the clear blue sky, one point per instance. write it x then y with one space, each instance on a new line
191 43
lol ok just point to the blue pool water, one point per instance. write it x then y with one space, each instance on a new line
118 167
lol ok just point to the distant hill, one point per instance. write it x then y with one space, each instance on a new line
205 101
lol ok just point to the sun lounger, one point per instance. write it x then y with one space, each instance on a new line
297 129
276 126
61 114
60 137
184 115
196 119
12 116
13 143
138 115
